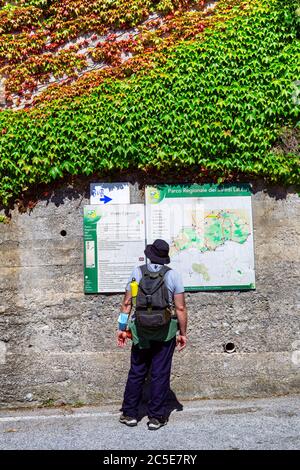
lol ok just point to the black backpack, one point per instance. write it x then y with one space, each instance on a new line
153 309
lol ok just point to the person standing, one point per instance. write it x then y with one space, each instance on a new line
155 332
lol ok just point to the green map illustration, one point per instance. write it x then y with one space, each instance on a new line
219 227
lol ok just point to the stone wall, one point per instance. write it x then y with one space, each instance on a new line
57 345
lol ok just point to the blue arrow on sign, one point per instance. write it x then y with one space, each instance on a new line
105 199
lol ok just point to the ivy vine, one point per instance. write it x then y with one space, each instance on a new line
215 102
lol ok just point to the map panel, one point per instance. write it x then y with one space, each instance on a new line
210 232
114 242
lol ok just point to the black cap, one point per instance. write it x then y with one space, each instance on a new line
158 252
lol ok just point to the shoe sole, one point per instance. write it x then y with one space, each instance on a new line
131 425
158 427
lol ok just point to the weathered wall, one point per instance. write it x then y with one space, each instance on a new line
58 345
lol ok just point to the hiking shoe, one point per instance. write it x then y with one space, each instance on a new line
128 420
154 423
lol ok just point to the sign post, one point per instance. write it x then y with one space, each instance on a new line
112 193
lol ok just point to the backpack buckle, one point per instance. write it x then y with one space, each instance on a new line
149 299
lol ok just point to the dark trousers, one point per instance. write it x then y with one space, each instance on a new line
159 358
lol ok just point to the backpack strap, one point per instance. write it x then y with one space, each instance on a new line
163 271
143 269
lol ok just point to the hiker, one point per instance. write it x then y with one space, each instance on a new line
153 328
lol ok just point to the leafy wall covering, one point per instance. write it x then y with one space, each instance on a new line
95 86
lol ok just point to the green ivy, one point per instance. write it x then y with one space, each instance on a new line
215 104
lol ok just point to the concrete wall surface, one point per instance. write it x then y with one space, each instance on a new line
57 345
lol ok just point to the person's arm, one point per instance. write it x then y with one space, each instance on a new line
181 313
126 304
125 308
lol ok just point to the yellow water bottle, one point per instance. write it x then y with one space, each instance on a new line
134 286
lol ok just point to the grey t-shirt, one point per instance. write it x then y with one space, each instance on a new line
173 279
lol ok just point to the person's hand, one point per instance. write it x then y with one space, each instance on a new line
121 338
181 342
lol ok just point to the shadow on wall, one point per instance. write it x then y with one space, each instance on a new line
78 188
